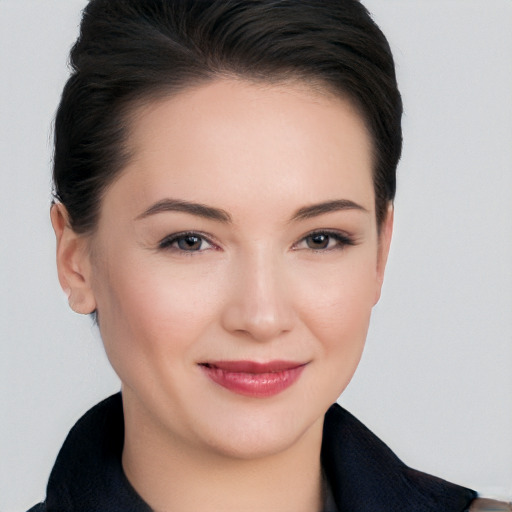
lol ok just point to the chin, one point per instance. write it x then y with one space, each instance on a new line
258 428
255 443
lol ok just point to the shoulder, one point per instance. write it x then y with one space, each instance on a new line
40 507
365 475
485 505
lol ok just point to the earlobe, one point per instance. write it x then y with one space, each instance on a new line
73 262
385 235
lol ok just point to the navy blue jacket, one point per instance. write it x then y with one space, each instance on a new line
363 473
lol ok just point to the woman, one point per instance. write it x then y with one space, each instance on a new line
224 178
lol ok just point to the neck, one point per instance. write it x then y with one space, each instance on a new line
171 476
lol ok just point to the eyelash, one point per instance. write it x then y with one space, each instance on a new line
342 240
168 243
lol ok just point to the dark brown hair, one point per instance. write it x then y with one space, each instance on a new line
131 51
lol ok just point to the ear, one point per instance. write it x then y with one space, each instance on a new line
384 243
73 262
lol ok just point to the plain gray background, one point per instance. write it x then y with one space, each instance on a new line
436 378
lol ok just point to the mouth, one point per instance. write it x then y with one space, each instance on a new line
251 378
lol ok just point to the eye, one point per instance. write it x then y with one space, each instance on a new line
186 242
324 241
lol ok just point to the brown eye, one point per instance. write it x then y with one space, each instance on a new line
324 241
185 243
318 241
189 243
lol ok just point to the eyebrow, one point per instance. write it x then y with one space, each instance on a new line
308 212
178 205
209 212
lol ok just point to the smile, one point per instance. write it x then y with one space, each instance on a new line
249 378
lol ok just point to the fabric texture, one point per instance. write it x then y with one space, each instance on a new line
362 473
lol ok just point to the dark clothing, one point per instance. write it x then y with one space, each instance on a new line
362 473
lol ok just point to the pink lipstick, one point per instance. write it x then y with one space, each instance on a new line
259 380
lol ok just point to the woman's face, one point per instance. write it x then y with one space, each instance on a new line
236 263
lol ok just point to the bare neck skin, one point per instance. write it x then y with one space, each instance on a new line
173 476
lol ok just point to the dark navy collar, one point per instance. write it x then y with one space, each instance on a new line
366 476
88 475
363 474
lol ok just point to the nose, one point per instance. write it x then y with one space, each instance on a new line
259 306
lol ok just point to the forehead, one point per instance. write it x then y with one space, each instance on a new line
231 141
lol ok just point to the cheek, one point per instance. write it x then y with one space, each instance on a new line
336 312
340 319
338 298
151 314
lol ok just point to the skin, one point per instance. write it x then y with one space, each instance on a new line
258 288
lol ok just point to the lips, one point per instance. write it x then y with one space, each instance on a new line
254 379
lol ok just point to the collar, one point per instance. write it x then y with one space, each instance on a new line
366 476
88 475
362 473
